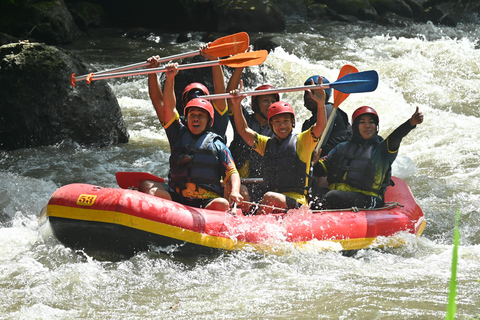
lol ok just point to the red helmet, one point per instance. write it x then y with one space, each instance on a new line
364 110
190 87
202 104
280 107
266 87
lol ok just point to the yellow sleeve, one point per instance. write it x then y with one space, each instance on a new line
218 111
169 122
260 143
306 143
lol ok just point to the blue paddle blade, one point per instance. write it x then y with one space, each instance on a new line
365 81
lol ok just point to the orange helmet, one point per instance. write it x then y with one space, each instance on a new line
280 107
364 110
192 86
202 104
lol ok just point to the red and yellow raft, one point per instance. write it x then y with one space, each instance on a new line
89 217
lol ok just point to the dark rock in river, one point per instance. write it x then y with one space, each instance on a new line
47 21
39 106
60 21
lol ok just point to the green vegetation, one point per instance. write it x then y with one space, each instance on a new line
452 303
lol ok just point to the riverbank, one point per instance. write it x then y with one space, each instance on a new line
62 21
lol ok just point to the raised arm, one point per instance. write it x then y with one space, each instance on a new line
319 96
233 83
395 138
240 123
218 81
169 100
154 89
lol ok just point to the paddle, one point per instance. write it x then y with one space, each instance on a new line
222 47
239 60
365 81
127 180
339 97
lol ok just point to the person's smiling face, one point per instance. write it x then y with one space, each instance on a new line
282 125
367 126
197 120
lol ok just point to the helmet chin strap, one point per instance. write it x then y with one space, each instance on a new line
263 116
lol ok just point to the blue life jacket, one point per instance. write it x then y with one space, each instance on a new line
196 162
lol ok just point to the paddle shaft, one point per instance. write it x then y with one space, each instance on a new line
152 70
327 127
224 46
339 97
140 65
365 81
239 60
265 91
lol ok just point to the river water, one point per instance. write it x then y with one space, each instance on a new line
435 68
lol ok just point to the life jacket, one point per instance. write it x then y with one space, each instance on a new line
242 152
283 170
352 164
196 162
340 130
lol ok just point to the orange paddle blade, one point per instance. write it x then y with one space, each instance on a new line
245 59
338 96
229 45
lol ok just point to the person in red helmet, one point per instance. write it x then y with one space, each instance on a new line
339 131
359 171
199 159
286 155
249 162
191 91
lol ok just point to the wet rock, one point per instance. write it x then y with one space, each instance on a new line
184 37
5 38
251 16
86 14
264 43
361 9
45 21
397 7
39 106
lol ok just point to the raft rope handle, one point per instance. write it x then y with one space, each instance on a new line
264 206
388 205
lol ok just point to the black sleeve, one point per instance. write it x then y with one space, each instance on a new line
397 135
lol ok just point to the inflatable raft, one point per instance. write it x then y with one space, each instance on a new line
124 221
